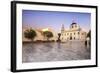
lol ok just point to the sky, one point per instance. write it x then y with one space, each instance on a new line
55 19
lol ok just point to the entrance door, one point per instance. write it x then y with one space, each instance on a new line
70 37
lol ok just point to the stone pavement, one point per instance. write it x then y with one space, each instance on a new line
43 52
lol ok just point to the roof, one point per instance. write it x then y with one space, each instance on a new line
73 23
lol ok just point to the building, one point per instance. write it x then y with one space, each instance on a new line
73 33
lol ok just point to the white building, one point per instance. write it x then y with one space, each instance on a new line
74 33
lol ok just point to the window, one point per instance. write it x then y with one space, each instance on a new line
82 33
67 33
74 33
72 26
70 33
78 33
75 25
70 37
74 38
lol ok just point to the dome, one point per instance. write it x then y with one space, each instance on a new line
74 25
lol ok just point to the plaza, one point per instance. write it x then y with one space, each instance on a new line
55 51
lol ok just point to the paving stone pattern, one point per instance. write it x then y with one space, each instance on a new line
53 51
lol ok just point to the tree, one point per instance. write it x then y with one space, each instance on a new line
30 34
89 34
59 34
48 34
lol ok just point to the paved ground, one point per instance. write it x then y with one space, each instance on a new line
40 52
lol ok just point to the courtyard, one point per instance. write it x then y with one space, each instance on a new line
55 51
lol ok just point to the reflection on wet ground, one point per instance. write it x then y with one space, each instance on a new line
53 51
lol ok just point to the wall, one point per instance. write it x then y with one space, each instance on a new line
5 37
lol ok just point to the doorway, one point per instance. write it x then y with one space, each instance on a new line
70 37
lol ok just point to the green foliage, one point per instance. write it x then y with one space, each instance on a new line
59 34
30 34
48 34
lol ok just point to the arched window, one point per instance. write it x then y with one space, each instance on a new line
78 33
67 33
82 33
70 37
74 33
74 38
72 26
62 34
75 25
70 33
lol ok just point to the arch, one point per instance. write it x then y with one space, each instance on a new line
70 37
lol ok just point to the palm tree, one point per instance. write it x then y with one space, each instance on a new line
48 34
30 34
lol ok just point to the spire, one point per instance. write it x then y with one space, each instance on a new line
73 21
62 29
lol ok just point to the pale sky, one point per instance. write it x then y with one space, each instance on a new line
54 20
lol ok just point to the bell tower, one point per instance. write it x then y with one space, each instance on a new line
62 28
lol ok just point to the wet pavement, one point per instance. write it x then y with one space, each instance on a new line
53 51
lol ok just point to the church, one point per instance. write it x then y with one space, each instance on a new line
73 33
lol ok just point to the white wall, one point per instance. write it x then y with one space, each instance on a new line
5 36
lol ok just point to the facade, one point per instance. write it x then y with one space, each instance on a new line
74 33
